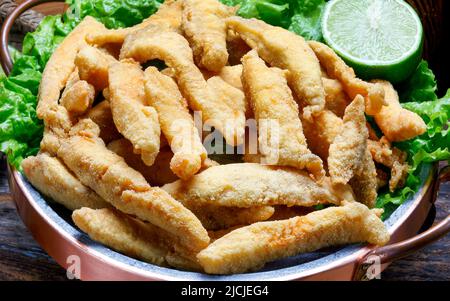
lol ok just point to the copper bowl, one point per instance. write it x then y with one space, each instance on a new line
53 229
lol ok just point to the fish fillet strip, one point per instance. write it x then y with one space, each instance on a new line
286 50
337 69
129 235
93 65
203 24
133 118
271 99
61 65
392 157
176 123
249 248
101 114
50 176
173 49
249 184
349 147
168 16
397 123
78 98
365 182
126 189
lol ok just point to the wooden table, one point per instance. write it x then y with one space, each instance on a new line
21 258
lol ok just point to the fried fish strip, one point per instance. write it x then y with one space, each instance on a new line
173 49
335 96
176 123
365 182
232 75
337 69
101 114
249 248
78 98
249 184
219 217
158 174
232 96
61 65
383 153
349 147
168 16
286 50
126 189
203 24
271 100
134 120
54 180
397 123
93 65
131 236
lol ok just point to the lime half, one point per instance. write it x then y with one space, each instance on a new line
378 38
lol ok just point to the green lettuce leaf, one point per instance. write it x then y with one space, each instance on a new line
307 18
421 86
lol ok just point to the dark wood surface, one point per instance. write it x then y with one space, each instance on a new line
21 258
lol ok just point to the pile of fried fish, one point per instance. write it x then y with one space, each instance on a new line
121 149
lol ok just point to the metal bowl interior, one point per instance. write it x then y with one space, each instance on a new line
297 267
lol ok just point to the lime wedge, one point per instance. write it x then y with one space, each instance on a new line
379 38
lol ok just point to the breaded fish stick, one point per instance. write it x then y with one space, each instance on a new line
52 178
337 69
232 75
249 184
286 50
383 153
176 123
173 49
219 217
203 24
126 189
232 96
335 96
93 65
130 236
134 120
78 98
168 16
365 182
61 64
271 99
249 248
158 174
101 114
397 123
349 147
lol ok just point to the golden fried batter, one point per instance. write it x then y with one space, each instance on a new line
173 49
335 96
349 147
383 153
134 120
61 65
176 123
78 98
286 50
93 65
168 16
126 189
203 24
249 248
365 182
232 96
232 75
158 174
337 69
396 123
250 184
101 114
272 100
52 178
